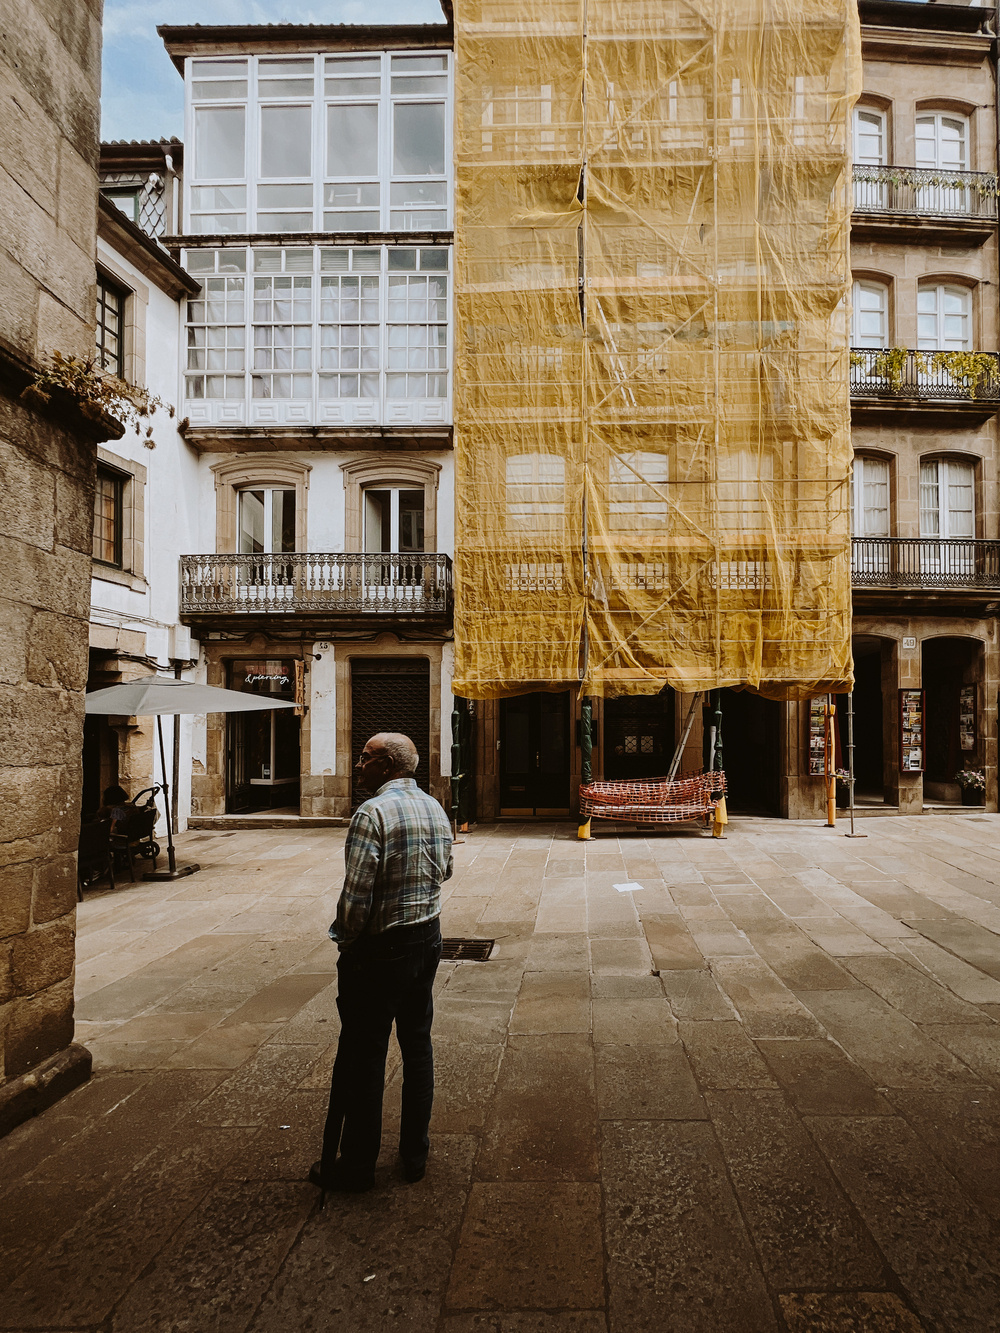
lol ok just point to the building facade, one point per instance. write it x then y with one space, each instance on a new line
145 483
925 396
315 396
316 214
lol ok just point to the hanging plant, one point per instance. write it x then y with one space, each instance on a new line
96 394
976 370
889 364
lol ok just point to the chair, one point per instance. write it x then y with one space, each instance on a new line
95 858
135 833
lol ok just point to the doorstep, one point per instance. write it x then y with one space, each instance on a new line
265 820
933 808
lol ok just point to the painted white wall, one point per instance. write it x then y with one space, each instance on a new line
170 516
323 708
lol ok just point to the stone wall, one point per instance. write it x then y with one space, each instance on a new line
49 90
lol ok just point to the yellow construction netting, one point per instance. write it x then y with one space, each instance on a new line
651 378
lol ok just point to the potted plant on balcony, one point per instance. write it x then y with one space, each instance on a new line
973 784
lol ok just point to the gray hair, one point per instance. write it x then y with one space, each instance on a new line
400 750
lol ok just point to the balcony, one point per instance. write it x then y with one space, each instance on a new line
932 204
305 587
902 376
913 569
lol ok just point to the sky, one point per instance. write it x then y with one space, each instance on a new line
143 95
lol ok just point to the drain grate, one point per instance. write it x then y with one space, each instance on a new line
466 951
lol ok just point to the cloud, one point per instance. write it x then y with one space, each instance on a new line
143 96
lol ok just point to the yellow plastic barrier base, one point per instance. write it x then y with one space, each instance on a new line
721 819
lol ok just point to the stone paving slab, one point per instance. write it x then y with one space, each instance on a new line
760 1092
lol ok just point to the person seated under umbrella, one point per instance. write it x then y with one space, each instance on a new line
113 806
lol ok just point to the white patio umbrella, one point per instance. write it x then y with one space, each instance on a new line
155 695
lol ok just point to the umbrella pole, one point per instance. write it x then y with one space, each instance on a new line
172 871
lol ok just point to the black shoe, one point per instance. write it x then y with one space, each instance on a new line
414 1171
338 1181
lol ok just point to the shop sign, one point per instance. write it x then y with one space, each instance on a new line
911 731
967 717
817 737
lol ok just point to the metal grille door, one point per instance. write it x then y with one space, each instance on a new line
390 694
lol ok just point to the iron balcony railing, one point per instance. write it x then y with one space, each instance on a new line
303 583
926 192
924 562
902 372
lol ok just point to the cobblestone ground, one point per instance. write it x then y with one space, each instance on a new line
757 1093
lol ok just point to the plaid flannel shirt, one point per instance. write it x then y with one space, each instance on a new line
398 855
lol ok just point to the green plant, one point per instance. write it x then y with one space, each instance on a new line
971 779
96 394
975 368
889 364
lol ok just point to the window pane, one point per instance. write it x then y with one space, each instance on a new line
354 221
285 141
284 196
285 78
219 143
349 78
351 195
219 197
251 522
108 517
284 222
418 139
429 85
412 64
352 140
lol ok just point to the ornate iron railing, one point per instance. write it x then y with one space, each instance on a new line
924 562
925 192
303 583
902 372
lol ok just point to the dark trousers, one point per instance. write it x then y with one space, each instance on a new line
381 980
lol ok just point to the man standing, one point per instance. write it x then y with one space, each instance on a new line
397 856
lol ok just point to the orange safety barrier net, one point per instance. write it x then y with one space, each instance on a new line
651 378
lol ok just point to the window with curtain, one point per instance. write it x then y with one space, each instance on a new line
869 142
947 498
870 497
944 317
869 314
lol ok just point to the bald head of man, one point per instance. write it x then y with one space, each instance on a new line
388 755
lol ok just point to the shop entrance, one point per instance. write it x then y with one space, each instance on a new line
751 752
950 672
638 735
390 694
869 757
535 754
262 749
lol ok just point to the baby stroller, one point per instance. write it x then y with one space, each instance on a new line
134 834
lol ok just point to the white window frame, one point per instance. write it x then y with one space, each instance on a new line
869 471
940 342
938 118
880 117
257 97
243 406
871 285
949 472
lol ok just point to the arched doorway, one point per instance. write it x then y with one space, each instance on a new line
951 672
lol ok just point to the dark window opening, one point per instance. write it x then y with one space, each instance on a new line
109 491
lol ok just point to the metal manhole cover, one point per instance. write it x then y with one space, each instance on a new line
466 951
